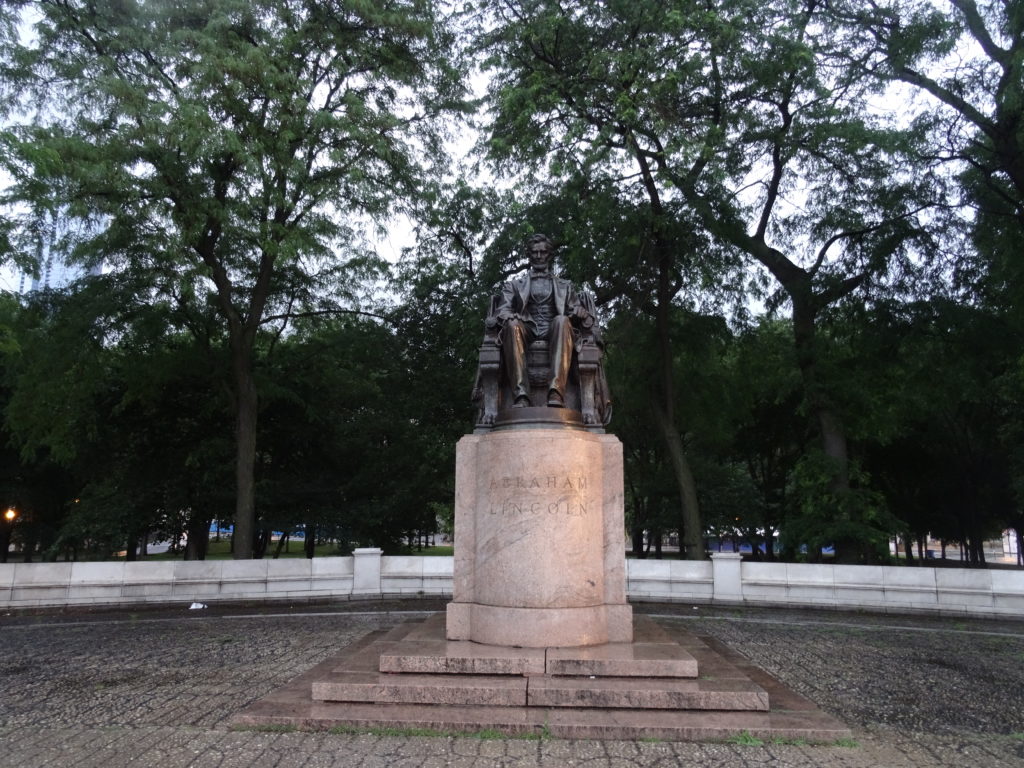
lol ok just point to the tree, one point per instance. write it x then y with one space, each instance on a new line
742 117
129 413
770 434
966 59
705 406
970 62
947 386
217 146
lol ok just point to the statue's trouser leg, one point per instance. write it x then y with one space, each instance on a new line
560 345
513 355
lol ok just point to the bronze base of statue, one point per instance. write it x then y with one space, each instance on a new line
535 417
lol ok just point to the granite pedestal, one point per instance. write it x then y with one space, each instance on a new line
539 537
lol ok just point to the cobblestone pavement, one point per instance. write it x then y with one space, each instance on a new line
155 688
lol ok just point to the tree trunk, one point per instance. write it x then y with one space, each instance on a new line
246 405
638 542
280 545
833 434
979 549
261 542
638 518
309 545
197 543
691 535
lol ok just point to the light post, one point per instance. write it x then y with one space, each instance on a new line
5 532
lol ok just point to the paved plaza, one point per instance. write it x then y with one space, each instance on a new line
156 688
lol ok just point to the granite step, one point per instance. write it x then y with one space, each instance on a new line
461 657
565 723
539 691
651 660
424 650
645 693
462 690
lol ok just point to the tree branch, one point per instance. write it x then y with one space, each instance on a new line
326 312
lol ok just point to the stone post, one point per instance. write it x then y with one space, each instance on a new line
366 571
726 570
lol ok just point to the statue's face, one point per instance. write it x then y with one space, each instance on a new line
540 255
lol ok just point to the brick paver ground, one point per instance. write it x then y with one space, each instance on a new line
156 688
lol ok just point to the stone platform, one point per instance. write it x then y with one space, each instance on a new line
666 686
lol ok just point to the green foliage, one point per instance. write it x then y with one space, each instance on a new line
215 147
745 739
217 156
947 460
632 366
142 446
968 60
744 125
854 520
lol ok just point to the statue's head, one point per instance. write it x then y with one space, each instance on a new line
539 250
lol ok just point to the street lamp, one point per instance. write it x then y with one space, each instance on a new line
5 532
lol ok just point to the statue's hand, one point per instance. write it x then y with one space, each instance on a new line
582 316
504 315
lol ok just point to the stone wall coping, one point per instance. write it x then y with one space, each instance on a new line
949 591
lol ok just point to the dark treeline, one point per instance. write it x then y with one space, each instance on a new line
801 221
115 441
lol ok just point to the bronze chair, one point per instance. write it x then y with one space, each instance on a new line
587 390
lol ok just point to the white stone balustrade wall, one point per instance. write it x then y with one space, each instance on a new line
725 579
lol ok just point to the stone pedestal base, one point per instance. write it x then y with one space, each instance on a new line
539 549
660 686
521 627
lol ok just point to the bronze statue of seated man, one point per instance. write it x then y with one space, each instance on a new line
539 305
541 347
